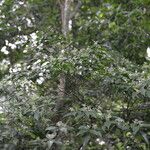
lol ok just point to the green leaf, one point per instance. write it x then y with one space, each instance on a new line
143 91
51 128
145 137
50 143
148 94
36 115
145 125
135 128
107 124
95 132
85 142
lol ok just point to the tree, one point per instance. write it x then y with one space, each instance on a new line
74 86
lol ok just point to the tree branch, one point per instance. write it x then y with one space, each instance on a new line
75 10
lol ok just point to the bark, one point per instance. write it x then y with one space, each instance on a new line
66 15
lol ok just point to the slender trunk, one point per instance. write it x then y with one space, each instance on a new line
66 15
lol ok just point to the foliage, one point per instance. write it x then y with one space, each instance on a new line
107 76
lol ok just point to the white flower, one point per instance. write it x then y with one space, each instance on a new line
14 70
10 83
18 42
38 61
62 50
1 2
41 74
148 51
6 41
5 62
80 72
2 16
21 3
128 147
40 46
25 37
4 50
34 39
80 67
70 24
29 23
19 28
19 69
1 110
15 7
25 51
18 65
40 80
45 56
44 64
100 142
10 70
34 36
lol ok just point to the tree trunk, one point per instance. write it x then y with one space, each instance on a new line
66 15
